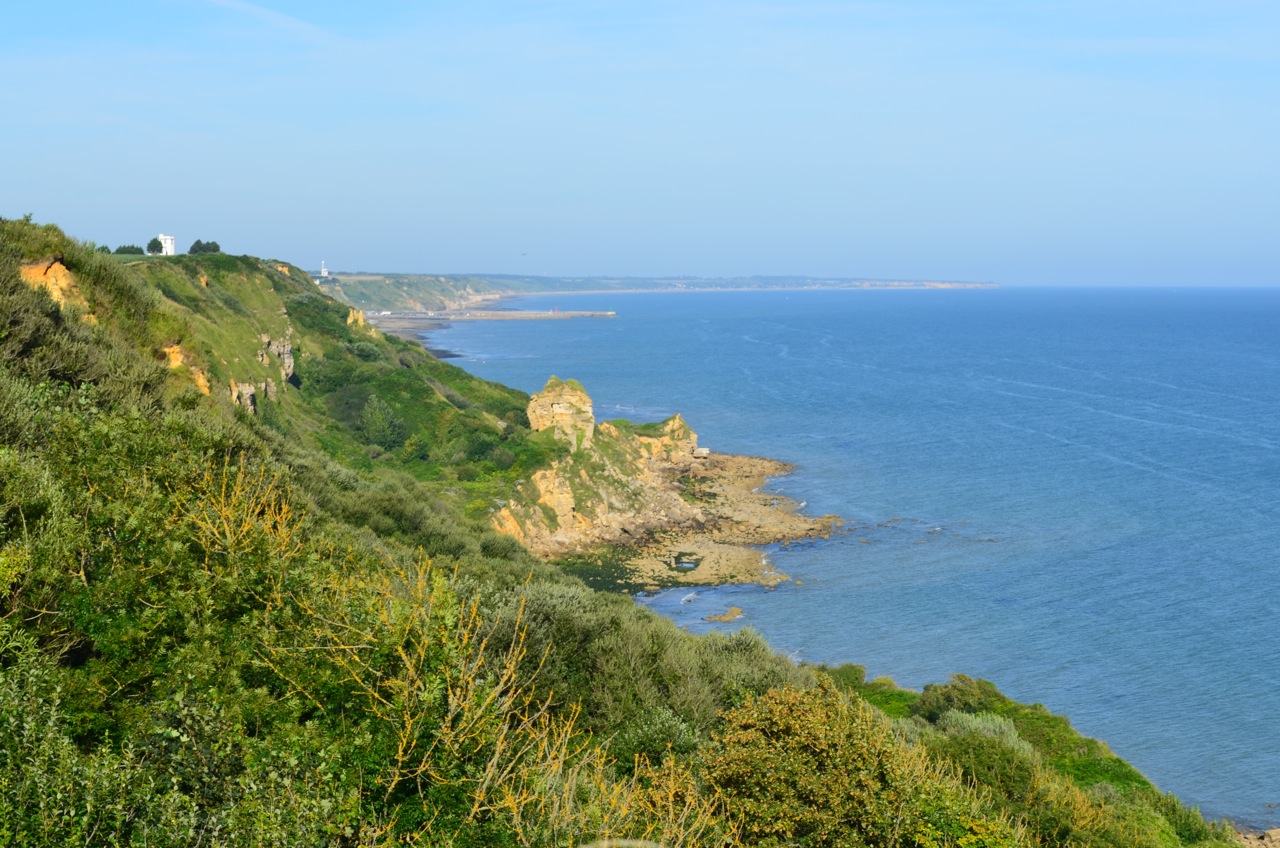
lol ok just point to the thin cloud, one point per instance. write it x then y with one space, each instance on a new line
278 20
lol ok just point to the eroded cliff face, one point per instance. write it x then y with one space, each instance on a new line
617 485
565 407
54 277
249 394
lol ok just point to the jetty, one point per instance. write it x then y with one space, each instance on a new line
484 315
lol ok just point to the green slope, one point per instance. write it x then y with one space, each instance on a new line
290 624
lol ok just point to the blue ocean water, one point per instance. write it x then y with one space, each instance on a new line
1072 493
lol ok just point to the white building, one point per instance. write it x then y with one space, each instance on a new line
166 245
324 272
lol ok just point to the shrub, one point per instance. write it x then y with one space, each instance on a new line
816 768
379 424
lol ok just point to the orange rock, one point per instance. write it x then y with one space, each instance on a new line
54 278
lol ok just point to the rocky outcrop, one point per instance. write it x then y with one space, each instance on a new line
676 442
248 395
245 396
616 485
686 515
176 357
565 407
54 277
282 349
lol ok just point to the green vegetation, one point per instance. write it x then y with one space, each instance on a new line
204 247
289 622
129 250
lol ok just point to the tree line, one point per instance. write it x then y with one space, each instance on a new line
154 247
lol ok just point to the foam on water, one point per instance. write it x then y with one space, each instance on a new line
1087 482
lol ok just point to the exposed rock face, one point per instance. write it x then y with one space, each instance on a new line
245 395
355 316
282 349
176 357
615 486
54 277
566 407
677 443
202 381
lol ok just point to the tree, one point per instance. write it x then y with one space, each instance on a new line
129 249
204 247
102 248
154 246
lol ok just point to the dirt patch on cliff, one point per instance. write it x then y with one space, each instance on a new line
740 518
53 277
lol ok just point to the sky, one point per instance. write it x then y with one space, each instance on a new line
1123 142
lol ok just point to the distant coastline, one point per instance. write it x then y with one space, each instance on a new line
433 292
416 324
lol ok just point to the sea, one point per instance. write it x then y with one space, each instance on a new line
1073 493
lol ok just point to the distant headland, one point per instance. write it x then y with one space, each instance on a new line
424 293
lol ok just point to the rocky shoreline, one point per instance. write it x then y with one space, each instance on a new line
1264 839
741 518
681 514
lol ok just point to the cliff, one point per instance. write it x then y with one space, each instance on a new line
685 514
293 624
614 485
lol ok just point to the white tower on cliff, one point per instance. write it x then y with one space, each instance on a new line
324 272
166 245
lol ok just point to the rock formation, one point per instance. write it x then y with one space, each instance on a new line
564 406
687 515
176 357
54 277
244 395
616 485
282 349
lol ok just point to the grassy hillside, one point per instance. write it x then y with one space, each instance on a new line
280 616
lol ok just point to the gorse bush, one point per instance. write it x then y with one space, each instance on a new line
817 768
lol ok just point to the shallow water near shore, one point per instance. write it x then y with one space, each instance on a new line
1072 493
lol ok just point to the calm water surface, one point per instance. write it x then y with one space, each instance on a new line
1072 493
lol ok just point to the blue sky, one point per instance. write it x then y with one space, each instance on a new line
1053 143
